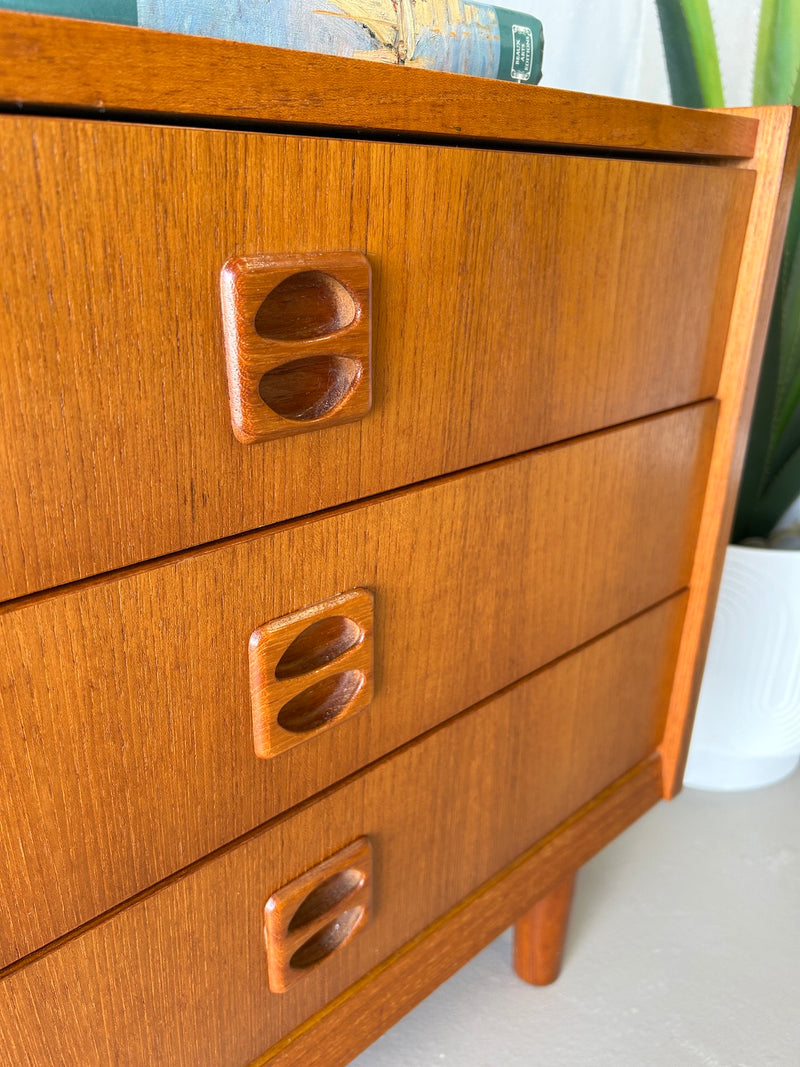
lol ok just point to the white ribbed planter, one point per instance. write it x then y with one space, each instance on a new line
747 730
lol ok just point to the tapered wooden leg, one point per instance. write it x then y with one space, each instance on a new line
539 935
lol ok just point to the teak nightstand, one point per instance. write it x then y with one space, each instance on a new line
370 438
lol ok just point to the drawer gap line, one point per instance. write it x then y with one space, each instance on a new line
169 558
221 850
212 123
566 848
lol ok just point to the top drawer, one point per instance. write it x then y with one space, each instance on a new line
517 299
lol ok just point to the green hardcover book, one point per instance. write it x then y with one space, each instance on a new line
98 10
438 34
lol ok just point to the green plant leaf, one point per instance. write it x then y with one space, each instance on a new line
690 49
787 383
777 53
771 476
787 402
779 493
747 522
790 245
788 442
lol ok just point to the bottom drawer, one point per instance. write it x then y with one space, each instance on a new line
180 976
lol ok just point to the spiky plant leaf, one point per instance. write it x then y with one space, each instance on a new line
771 477
777 53
787 355
780 492
751 487
691 53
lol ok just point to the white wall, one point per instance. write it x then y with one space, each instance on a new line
614 46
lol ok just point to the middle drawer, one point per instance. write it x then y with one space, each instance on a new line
126 727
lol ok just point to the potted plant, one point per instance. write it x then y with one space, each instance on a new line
747 730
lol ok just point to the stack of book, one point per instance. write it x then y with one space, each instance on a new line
448 35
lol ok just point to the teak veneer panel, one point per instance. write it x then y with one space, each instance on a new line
68 63
365 1010
518 299
540 933
776 162
442 816
126 727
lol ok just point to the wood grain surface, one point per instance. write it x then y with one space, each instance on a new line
517 299
345 1026
333 899
442 815
297 341
313 665
540 933
126 728
775 163
61 62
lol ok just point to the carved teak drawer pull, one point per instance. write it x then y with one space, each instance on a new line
311 917
309 669
297 342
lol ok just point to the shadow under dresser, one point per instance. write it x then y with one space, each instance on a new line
370 438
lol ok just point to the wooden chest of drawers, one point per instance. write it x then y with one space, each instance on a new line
367 468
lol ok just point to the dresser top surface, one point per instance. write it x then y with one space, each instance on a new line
68 63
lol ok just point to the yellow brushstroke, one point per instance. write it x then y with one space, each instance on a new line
396 26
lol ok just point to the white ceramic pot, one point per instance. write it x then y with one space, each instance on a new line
747 730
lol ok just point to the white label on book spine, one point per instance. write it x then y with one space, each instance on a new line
522 58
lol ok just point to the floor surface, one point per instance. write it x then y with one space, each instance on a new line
683 951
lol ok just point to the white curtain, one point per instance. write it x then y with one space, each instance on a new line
614 46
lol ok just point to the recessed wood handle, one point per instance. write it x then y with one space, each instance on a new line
309 669
316 914
297 342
